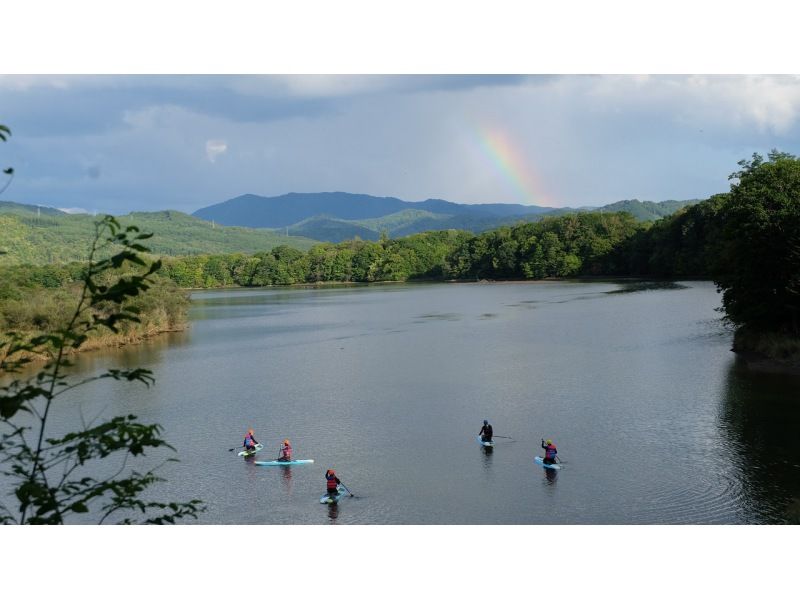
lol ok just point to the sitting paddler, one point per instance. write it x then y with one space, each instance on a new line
550 451
332 482
250 441
486 432
286 451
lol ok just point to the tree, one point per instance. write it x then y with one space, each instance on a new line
758 269
52 478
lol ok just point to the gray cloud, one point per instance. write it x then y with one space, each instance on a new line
146 143
47 106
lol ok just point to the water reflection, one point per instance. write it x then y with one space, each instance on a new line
759 418
550 476
487 461
333 511
286 479
640 286
149 351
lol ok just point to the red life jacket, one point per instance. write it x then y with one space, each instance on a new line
332 483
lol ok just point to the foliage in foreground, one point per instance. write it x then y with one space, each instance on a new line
53 478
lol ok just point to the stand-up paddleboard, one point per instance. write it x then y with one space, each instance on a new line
251 452
295 462
540 461
484 443
327 498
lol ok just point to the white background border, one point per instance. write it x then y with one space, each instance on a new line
441 36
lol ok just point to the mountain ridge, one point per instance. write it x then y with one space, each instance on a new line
336 215
287 209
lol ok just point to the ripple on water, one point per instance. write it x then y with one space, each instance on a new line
696 498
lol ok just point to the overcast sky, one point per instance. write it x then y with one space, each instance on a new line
122 143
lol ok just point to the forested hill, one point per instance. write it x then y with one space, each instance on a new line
32 235
644 211
334 217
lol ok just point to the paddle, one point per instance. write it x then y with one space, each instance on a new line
498 436
348 490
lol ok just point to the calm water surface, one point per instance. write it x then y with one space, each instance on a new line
655 419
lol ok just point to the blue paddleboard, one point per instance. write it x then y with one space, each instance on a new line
327 498
295 462
540 461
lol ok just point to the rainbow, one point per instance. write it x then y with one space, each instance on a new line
510 162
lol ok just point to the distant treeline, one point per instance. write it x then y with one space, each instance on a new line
565 246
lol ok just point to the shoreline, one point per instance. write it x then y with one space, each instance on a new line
757 362
335 283
114 341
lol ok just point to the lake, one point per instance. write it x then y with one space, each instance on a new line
656 420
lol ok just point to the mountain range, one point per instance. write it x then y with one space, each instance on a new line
336 216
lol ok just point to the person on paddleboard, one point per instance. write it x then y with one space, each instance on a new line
286 451
250 441
332 482
550 451
486 432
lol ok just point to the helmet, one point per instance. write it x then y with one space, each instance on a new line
548 441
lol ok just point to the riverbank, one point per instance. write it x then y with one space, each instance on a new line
97 342
653 282
768 351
